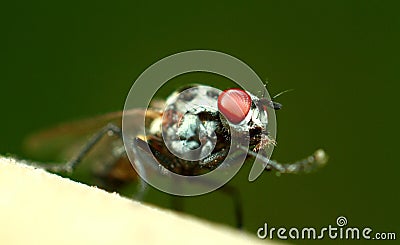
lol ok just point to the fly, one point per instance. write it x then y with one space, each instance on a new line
97 141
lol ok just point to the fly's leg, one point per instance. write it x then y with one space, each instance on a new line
69 167
213 160
318 159
210 162
233 193
177 203
91 143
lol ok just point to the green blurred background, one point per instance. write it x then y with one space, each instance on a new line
63 61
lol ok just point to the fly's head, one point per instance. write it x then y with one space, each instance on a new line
245 112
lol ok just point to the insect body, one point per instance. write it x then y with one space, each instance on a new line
194 134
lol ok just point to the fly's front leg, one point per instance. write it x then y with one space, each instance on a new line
318 159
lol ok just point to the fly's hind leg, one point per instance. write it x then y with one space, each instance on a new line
110 129
91 143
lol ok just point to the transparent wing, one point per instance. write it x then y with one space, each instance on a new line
62 142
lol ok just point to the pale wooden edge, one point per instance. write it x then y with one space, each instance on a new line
37 207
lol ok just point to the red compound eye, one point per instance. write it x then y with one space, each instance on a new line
234 104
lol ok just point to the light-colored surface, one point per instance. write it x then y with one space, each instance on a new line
37 207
